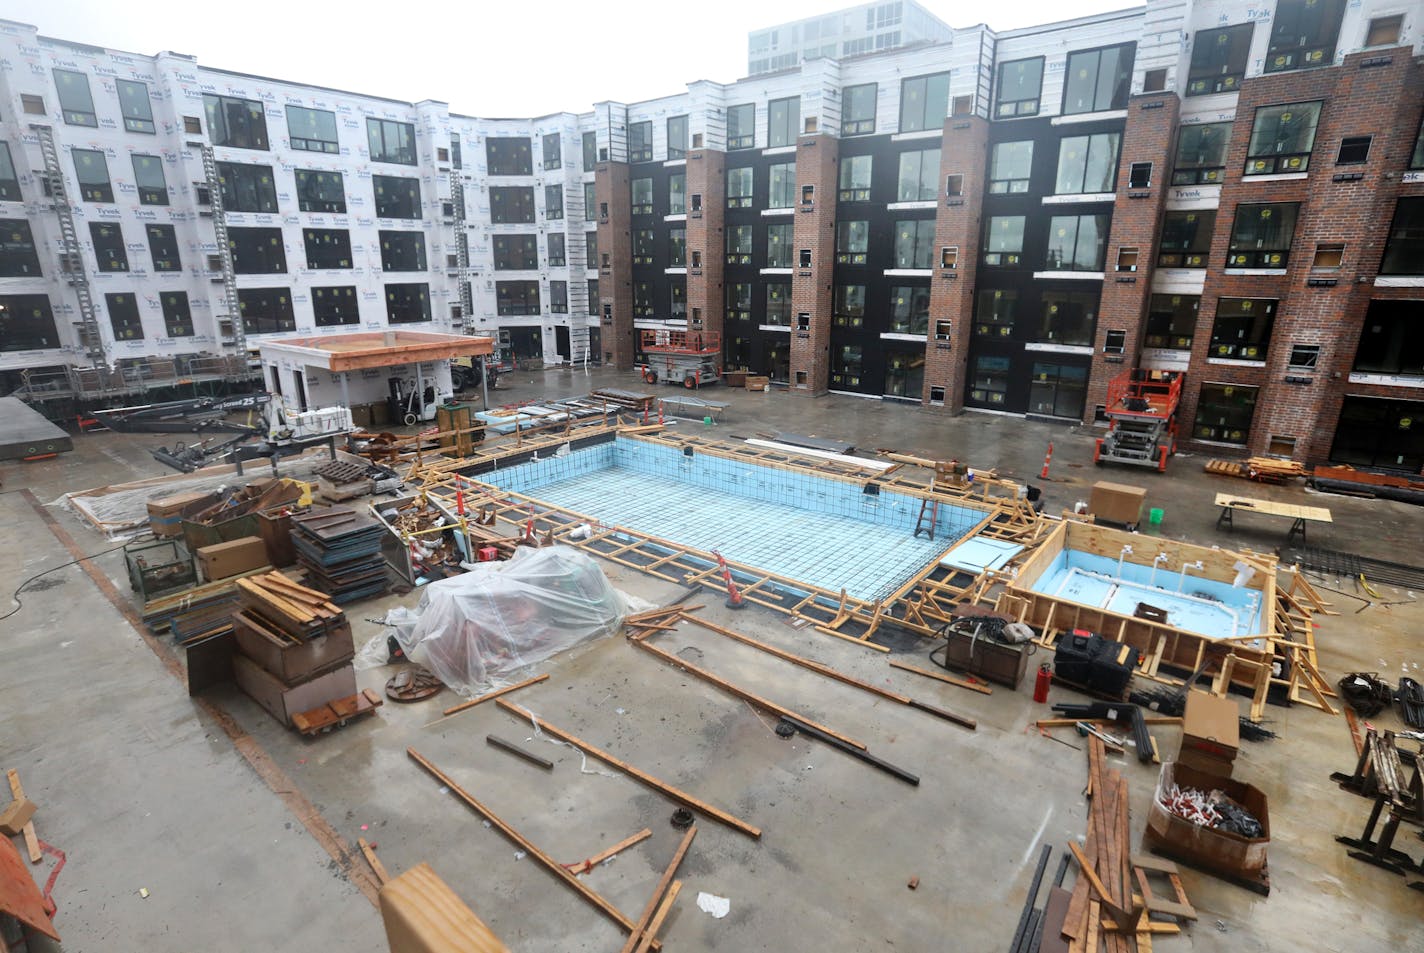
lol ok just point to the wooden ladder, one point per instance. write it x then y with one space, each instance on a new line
932 506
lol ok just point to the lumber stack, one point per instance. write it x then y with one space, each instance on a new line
1104 884
340 549
1273 470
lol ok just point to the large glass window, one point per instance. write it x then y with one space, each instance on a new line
75 100
265 310
1242 330
511 205
336 306
643 306
1068 317
247 188
235 123
782 193
557 257
1003 240
312 130
1057 390
783 120
135 106
846 364
1010 167
399 197
9 181
994 313
1303 34
322 192
18 256
590 246
410 303
1391 340
848 306
593 296
1404 249
676 137
124 317
590 152
1186 239
1019 86
553 202
858 110
855 178
739 301
914 244
644 240
677 194
27 323
403 251
1098 80
678 304
1224 413
989 380
919 176
558 297
1281 138
257 251
92 171
924 102
1261 235
163 247
1201 154
741 127
677 248
109 250
1087 164
177 314
148 176
778 246
739 187
642 196
1380 433
852 242
1172 321
552 151
640 142
739 244
904 374
778 303
509 155
909 310
1219 59
1077 242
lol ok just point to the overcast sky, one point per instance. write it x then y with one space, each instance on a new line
522 58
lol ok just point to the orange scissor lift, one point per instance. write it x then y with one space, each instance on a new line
1142 419
689 358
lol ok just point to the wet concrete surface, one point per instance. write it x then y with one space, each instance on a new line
141 789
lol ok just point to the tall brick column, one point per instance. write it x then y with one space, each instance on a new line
815 229
964 151
706 176
1137 214
615 281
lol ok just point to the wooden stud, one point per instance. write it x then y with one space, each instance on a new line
947 679
642 936
663 910
584 866
376 866
32 841
456 709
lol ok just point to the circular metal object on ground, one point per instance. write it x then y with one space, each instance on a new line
682 818
785 729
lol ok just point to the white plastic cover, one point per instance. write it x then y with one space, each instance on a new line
477 630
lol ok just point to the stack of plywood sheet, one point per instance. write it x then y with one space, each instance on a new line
340 549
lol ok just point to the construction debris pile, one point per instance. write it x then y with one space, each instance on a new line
1209 809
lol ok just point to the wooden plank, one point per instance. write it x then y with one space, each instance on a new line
663 910
32 841
375 862
584 866
947 679
1093 880
682 797
641 937
455 709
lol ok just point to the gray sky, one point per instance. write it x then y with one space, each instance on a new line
486 59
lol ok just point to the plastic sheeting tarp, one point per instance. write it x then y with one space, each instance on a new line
477 630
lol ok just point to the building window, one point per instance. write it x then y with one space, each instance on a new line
1020 83
642 191
1127 257
852 242
552 149
676 137
266 310
553 202
1404 248
778 246
678 305
591 250
846 364
677 194
92 171
593 296
109 251
247 188
9 181
855 178
192 126
402 251
1069 317
1303 34
910 310
914 244
1087 164
1328 256
558 297
1098 80
1171 321
457 158
989 380
75 100
643 251
643 306
739 187
1057 390
1373 432
1139 175
509 155
334 307
949 257
994 313
1010 166
27 323
163 248
1224 413
590 199
741 127
1219 60
783 121
124 317
1261 235
954 184
398 197
1201 154
590 151
148 176
177 314
858 110
848 306
410 304
677 248
1282 138
516 253
1354 150
18 256
778 303
739 301
640 142
312 130
555 241
235 123
1003 240
1077 242
1186 239
257 251
135 106
321 192
1305 357
509 205
924 102
739 244
1242 330
1384 31
1392 340
919 176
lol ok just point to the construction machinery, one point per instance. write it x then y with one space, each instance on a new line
1142 419
689 358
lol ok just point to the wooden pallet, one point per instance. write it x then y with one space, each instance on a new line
1231 468
337 713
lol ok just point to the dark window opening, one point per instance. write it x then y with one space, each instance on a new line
135 106
312 130
1303 34
1304 356
124 317
1171 321
247 188
1261 236
1391 340
1404 248
1219 60
321 192
336 306
266 310
327 247
516 298
257 251
109 251
516 252
235 123
1242 330
398 197
1139 175
1019 87
9 181
19 258
1098 80
1224 413
1380 433
408 304
163 248
1354 150
27 323
1068 317
509 155
1186 239
177 314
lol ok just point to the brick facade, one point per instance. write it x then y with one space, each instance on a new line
811 288
612 191
706 239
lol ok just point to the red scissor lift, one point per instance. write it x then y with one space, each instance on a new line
689 358
1142 415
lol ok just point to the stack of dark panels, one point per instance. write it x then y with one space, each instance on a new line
340 549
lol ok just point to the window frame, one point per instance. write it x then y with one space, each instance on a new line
1010 185
640 141
927 188
554 202
403 251
310 197
141 120
559 260
409 201
1071 262
1193 251
781 194
1053 327
551 148
1173 311
917 238
1277 162
739 176
853 242
163 249
909 310
1070 181
1122 89
641 200
518 160
918 119
1253 326
239 180
1404 242
1391 341
855 179
177 314
848 305
304 143
149 193
1286 50
257 234
515 252
590 151
125 318
783 119
1022 106
91 190
738 138
9 178
780 238
1005 257
107 238
677 140
1275 256
332 313
19 255
858 125
739 301
408 302
1203 77
76 112
1198 173
251 133
739 252
285 319
558 297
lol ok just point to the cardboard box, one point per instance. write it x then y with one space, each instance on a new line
1117 503
1207 763
282 700
291 661
1207 847
423 915
1211 725
165 515
228 559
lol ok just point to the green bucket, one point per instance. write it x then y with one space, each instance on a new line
1154 516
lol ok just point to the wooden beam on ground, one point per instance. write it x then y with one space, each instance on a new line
682 797
641 937
663 910
947 679
32 841
584 866
378 868
488 696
